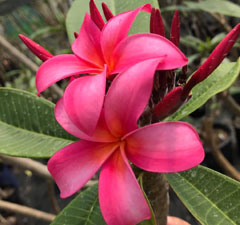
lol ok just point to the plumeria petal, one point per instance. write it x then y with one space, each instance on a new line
120 197
60 67
117 29
83 100
165 147
75 164
87 44
101 134
35 48
128 52
128 96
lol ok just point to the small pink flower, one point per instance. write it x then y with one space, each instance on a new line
162 147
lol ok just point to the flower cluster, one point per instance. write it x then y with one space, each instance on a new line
107 123
173 97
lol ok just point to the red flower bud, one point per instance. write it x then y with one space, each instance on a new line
175 29
75 34
95 15
169 104
213 61
35 48
156 23
107 12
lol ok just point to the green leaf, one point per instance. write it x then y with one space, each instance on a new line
79 8
221 79
223 7
83 210
211 197
28 127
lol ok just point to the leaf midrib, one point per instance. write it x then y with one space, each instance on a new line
35 133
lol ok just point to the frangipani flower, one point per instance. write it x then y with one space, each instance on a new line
161 147
95 48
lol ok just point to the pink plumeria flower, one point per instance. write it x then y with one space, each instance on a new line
161 147
95 48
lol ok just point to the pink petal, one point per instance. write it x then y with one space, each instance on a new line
140 47
87 44
83 100
165 147
75 164
35 48
101 134
60 67
128 96
120 197
117 29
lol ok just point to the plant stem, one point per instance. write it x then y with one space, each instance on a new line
230 102
156 188
26 211
217 154
27 164
32 165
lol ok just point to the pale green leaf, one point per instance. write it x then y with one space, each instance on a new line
28 127
221 79
79 8
83 210
213 198
223 7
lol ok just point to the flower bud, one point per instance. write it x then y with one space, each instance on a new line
213 61
107 12
169 104
156 23
175 29
35 48
95 15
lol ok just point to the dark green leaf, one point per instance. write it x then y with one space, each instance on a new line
28 127
83 210
213 198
